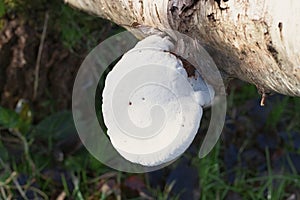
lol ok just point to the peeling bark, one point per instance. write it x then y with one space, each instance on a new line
257 41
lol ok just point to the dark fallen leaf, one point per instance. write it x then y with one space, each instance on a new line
231 195
267 141
287 162
295 159
230 160
291 138
260 114
253 159
185 181
157 178
58 176
134 183
24 180
296 141
134 186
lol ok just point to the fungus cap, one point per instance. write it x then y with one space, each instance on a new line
151 108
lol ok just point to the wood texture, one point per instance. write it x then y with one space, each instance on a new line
257 41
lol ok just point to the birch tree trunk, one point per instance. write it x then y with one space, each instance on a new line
257 41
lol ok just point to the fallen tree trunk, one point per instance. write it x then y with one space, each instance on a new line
257 41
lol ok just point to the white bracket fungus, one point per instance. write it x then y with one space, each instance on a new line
152 106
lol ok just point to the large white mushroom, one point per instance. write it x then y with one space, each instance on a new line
152 106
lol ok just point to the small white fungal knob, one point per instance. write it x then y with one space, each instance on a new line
152 109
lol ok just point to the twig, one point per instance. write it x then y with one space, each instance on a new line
26 150
39 56
61 196
15 181
76 190
3 192
19 188
263 99
10 178
34 189
38 191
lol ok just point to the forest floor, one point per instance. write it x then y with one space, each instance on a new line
41 157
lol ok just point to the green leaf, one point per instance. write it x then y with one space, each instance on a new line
25 114
4 155
58 125
2 8
9 118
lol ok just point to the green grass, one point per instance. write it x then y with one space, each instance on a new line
249 185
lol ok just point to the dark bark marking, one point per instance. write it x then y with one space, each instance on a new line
180 14
142 9
219 4
180 6
211 17
273 51
186 7
271 48
157 13
280 26
257 44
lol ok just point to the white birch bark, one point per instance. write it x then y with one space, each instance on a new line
257 41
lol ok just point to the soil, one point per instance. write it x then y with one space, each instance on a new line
19 44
